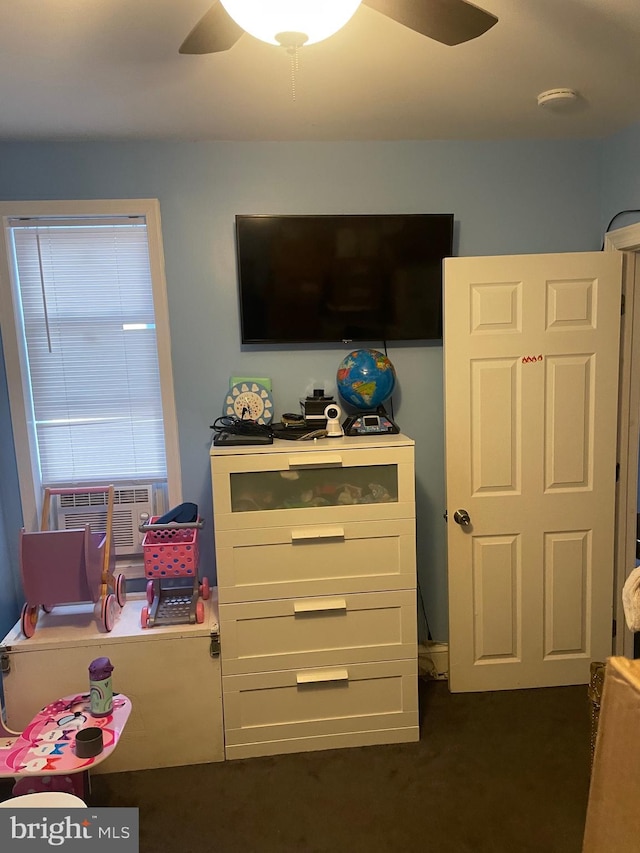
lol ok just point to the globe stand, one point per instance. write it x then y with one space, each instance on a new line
372 422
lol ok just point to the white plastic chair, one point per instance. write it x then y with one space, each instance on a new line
45 800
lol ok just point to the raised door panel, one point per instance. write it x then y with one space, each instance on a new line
568 577
569 422
496 430
497 598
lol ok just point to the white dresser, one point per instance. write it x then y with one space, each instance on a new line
316 572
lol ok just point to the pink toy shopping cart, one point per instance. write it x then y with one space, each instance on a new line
71 566
171 556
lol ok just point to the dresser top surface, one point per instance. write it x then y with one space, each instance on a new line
355 442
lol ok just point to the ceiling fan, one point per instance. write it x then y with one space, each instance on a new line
446 21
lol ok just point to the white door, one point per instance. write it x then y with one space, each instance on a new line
531 351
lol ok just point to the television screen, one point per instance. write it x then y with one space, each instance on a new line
313 279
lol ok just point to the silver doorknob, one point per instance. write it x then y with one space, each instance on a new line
461 516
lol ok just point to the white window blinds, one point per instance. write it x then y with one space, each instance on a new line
89 331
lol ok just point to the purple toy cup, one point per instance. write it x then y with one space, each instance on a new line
100 687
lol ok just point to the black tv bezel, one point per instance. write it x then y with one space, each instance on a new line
273 341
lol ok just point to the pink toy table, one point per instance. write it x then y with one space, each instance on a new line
46 748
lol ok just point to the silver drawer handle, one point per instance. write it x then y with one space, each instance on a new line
322 675
319 605
314 460
306 534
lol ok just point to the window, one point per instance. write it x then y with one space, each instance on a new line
86 341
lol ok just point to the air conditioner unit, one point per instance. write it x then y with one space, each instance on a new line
133 504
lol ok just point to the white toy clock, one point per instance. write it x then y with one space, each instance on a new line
249 400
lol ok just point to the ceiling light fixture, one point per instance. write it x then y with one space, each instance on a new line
291 23
558 99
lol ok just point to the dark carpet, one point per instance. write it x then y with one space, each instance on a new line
492 772
506 771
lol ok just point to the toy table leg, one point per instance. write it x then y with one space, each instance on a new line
72 783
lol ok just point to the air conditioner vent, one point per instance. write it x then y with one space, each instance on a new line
132 495
123 532
132 506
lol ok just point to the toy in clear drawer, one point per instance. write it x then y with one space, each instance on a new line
171 556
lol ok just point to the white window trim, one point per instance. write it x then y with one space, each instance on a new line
21 418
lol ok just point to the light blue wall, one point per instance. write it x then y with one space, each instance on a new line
621 186
507 197
10 515
621 177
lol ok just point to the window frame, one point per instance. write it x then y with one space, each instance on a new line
17 376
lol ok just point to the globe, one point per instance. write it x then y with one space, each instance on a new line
365 379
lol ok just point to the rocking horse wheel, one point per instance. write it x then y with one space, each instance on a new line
121 590
108 612
29 619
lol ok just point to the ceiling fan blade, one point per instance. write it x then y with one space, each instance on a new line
447 21
213 33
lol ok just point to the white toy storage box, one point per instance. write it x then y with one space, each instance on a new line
171 674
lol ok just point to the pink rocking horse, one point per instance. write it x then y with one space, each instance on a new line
70 566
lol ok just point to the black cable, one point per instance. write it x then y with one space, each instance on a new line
240 426
614 217
384 344
424 613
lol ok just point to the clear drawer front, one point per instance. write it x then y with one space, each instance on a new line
316 487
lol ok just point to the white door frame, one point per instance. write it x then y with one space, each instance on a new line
627 240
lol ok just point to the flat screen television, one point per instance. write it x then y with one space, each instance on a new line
322 279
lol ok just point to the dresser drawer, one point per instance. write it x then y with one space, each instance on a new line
309 709
303 632
321 559
306 487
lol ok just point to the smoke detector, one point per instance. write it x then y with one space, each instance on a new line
557 98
